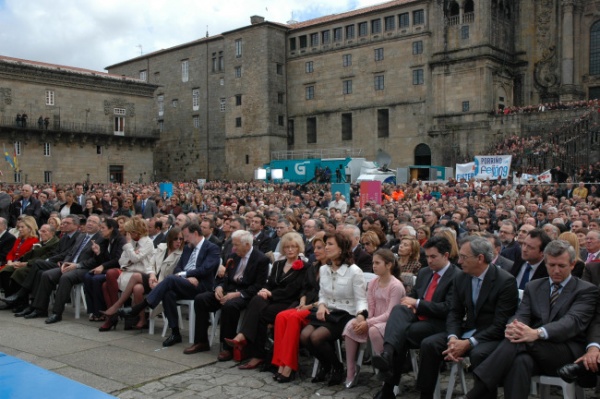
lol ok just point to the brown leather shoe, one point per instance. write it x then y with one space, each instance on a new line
201 347
225 356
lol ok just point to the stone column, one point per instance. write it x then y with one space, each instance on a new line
567 43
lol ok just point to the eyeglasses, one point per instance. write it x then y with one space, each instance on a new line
463 257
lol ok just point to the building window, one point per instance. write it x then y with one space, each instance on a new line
363 29
383 123
238 48
222 104
309 67
195 99
47 149
238 99
310 92
280 98
346 60
303 42
221 62
390 23
314 39
17 148
49 97
280 120
98 150
279 69
595 49
290 132
349 32
196 121
419 17
417 47
379 54
465 106
337 35
347 87
214 62
464 32
238 71
120 111
346 126
292 43
47 176
222 82
375 26
175 103
119 126
325 37
161 126
17 177
418 78
404 20
161 105
379 82
311 130
143 75
185 65
238 121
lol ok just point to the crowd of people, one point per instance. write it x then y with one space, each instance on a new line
434 266
547 107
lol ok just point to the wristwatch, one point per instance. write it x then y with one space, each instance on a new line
540 333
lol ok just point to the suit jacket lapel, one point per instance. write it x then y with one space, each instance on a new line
444 281
486 287
563 298
423 288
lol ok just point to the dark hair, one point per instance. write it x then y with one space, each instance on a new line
171 236
542 235
262 219
211 222
342 241
388 257
118 200
453 225
441 243
113 225
192 227
158 224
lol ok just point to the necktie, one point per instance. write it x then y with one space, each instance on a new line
143 205
239 274
476 289
430 291
191 265
83 244
525 278
25 203
590 258
554 294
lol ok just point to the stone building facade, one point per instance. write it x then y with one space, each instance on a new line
94 126
420 79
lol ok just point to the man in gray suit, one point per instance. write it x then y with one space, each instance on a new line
548 330
145 206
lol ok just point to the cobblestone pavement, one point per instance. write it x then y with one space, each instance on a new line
132 364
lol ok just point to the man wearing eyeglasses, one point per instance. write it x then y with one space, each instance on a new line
510 248
483 300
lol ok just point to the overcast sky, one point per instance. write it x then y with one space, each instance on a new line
96 33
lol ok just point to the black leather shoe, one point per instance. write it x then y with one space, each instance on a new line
19 307
576 372
16 297
35 314
25 311
321 374
382 362
382 394
54 318
172 340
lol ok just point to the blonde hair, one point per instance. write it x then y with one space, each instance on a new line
30 222
572 239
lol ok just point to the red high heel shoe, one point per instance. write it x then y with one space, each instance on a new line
236 344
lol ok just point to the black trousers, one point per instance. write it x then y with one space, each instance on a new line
205 303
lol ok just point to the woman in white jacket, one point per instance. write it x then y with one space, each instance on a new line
136 258
342 296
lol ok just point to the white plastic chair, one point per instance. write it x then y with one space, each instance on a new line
570 390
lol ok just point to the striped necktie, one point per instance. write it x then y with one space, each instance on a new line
554 294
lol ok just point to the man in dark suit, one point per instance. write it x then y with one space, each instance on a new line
194 274
145 206
207 226
483 300
262 241
548 330
245 275
510 247
498 260
155 232
235 224
421 314
25 204
361 257
531 266
310 228
7 240
29 277
80 260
